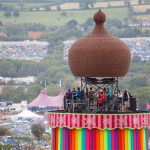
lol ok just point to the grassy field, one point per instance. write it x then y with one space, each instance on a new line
141 8
143 17
26 5
55 18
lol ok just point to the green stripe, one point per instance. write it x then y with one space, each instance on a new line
105 139
144 140
79 134
83 139
61 138
129 139
132 139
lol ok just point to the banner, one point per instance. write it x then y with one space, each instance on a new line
100 121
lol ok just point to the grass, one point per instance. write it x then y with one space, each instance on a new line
141 8
54 17
143 17
26 5
35 5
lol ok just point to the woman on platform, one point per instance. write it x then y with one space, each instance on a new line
100 99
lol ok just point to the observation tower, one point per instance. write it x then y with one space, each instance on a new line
99 59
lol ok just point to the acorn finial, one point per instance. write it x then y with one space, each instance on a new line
99 17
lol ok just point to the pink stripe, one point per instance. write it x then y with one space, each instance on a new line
99 121
65 121
125 121
87 139
130 120
69 120
134 140
138 118
115 121
94 121
113 139
49 118
54 120
118 119
147 120
110 121
53 138
57 121
121 121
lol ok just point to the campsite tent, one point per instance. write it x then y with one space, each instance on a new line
44 102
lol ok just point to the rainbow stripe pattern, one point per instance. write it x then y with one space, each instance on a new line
96 139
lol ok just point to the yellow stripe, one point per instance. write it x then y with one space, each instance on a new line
102 140
126 138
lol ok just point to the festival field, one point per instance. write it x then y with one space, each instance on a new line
55 17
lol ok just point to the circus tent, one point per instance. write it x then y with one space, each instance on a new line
44 102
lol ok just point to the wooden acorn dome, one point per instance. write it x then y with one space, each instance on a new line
99 54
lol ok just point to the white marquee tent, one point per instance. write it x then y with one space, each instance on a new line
28 114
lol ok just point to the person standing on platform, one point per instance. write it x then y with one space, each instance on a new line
126 97
78 94
100 99
69 94
74 94
91 97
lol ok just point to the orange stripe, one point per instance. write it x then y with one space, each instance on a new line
73 139
76 138
140 139
97 139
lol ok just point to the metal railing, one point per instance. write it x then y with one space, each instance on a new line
83 105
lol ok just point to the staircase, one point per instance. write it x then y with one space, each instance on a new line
111 103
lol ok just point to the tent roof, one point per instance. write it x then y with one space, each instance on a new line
43 100
28 114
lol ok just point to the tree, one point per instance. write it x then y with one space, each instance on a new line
37 130
7 13
138 81
85 4
127 3
143 95
16 13
34 90
63 14
22 3
8 93
3 131
19 95
47 8
136 59
58 8
139 1
53 90
1 24
13 94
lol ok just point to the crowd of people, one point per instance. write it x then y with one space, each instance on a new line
97 98
29 50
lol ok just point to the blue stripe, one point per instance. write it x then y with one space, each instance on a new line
109 140
83 139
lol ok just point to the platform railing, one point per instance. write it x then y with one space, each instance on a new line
83 105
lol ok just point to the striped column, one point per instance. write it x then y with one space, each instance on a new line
95 139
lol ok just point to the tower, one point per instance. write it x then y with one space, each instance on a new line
99 55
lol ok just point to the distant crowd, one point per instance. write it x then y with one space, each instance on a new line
101 97
23 50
